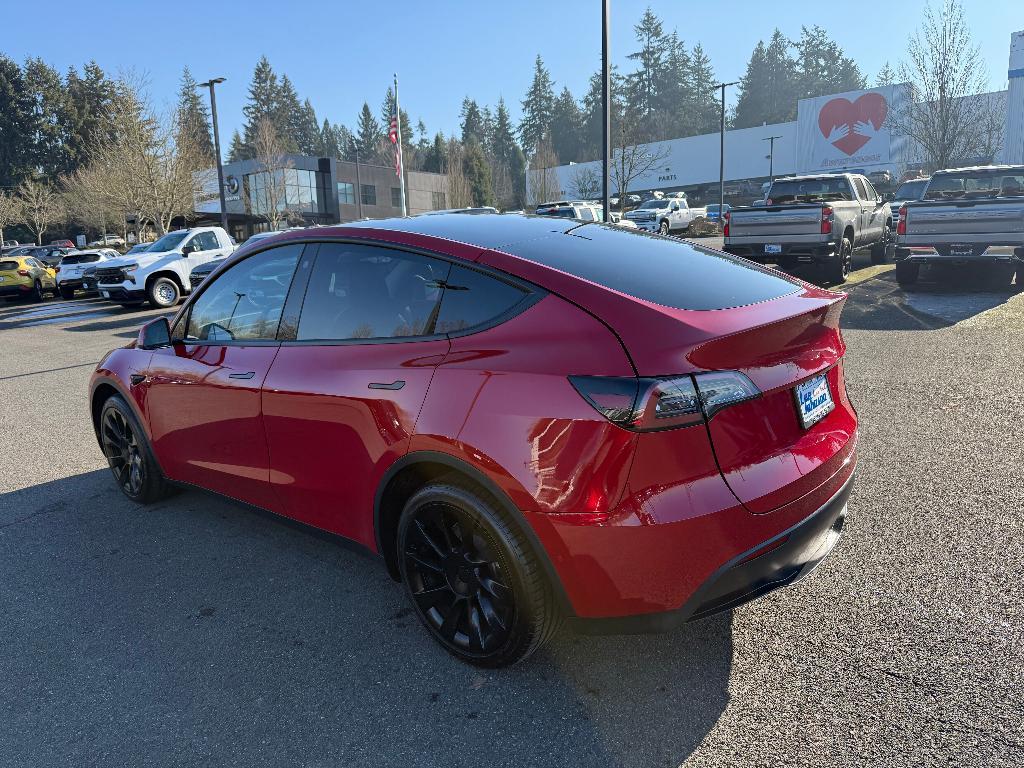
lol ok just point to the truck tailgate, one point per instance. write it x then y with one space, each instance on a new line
994 222
775 223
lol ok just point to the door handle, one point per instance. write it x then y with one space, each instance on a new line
380 385
246 375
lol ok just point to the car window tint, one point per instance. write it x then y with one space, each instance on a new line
472 298
245 302
364 292
205 241
586 214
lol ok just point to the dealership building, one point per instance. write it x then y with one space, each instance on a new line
843 131
316 190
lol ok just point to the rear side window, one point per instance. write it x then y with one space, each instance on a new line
472 298
661 270
8 266
366 292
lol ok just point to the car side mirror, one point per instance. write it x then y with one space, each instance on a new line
188 250
155 333
675 206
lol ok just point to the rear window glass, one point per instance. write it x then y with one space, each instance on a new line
9 266
80 258
973 185
809 191
656 269
911 190
565 213
472 298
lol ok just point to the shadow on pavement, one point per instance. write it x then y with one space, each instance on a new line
197 631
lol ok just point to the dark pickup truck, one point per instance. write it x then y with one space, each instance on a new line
967 216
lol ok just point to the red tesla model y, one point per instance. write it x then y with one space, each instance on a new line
531 420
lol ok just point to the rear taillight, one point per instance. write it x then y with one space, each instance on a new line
725 229
24 273
901 225
827 215
652 404
56 269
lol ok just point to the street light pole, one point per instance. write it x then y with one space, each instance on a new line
721 151
606 111
771 156
216 146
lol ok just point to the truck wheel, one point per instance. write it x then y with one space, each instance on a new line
67 293
879 248
663 227
907 273
838 269
164 293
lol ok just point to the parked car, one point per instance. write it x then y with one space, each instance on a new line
159 274
478 210
571 209
74 264
65 243
967 216
907 191
620 221
26 277
48 254
818 219
711 211
112 241
203 271
682 461
10 244
665 215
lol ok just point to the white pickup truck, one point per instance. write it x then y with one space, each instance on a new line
666 215
160 274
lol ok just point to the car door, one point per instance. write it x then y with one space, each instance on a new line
202 393
863 229
341 400
205 247
877 217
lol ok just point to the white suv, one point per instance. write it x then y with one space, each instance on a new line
160 274
74 264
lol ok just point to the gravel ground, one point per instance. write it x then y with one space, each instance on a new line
197 632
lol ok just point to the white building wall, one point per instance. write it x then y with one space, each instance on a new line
1013 145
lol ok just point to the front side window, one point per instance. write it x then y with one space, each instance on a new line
205 241
472 298
364 292
368 194
245 302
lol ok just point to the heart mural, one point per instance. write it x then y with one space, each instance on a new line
868 108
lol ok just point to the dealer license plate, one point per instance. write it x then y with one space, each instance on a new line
814 400
772 248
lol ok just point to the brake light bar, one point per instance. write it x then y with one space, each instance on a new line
725 229
24 272
655 404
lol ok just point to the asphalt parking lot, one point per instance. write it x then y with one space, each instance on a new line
200 632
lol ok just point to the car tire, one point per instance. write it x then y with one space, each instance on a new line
128 453
67 293
164 293
663 228
37 292
907 273
878 250
838 269
472 577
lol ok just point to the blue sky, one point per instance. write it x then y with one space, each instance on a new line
341 53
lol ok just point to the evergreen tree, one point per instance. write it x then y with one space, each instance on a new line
675 95
422 141
593 113
703 103
264 104
50 119
308 139
328 146
769 88
566 127
193 116
885 76
537 106
642 85
90 101
472 122
346 142
822 67
290 117
237 150
16 126
368 135
387 108
435 159
478 173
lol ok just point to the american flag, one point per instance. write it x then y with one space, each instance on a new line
393 135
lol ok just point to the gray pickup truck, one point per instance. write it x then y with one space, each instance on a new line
966 216
817 219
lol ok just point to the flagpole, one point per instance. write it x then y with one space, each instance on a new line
401 163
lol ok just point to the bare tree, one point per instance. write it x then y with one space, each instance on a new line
630 161
10 212
268 195
544 184
460 191
95 212
41 207
948 116
585 182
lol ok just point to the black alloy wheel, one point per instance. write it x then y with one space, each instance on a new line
472 578
123 452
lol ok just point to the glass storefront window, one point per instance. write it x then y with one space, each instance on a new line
288 189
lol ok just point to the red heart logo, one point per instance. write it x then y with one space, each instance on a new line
868 108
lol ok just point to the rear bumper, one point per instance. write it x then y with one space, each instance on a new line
944 254
15 290
74 283
776 561
789 253
118 293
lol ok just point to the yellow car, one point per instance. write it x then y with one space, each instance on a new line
25 276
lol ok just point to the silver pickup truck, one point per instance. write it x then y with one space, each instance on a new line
817 219
969 216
